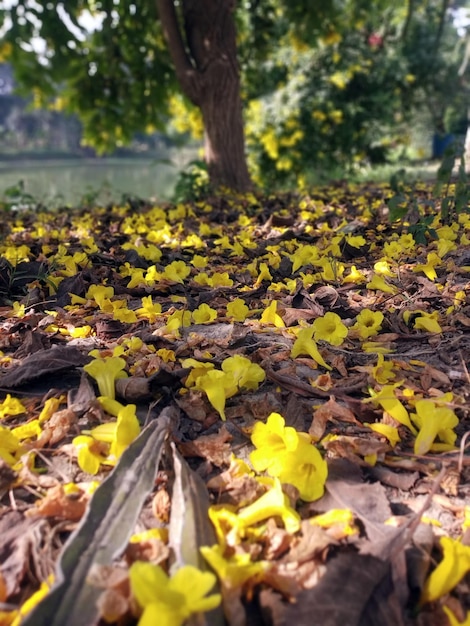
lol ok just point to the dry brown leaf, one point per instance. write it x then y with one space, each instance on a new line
161 505
112 606
152 549
214 448
56 503
56 428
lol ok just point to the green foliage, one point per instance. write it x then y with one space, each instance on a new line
192 183
450 197
455 197
410 209
117 78
16 197
337 104
326 83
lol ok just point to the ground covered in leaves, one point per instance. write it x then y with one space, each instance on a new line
251 410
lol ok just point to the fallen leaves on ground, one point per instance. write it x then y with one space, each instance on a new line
313 358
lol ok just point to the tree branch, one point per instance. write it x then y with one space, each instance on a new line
186 73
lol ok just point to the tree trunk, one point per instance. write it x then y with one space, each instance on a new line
205 60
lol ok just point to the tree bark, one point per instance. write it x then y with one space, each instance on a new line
202 45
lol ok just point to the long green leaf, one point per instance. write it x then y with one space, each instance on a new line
104 532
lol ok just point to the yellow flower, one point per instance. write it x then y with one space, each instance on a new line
304 255
428 322
455 564
106 443
214 383
272 440
330 328
170 601
433 260
305 344
453 621
379 284
32 601
264 274
237 373
336 517
90 453
368 323
270 316
383 269
391 404
383 372
11 406
387 431
290 456
204 314
433 422
238 310
105 372
149 310
273 503
354 276
234 571
242 372
176 271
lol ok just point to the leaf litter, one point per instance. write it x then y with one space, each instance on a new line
251 409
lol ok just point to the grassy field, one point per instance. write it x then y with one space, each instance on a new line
69 181
61 182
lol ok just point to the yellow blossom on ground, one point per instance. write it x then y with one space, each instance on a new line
355 276
387 431
264 274
379 284
233 571
270 316
306 345
11 406
368 323
453 621
383 269
288 455
383 372
389 402
433 422
330 328
169 601
32 601
237 309
149 309
204 314
455 564
428 268
176 271
105 372
428 322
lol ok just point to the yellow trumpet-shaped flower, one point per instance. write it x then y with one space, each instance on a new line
271 316
234 571
289 456
204 314
378 283
306 345
330 328
170 601
455 564
391 404
238 310
368 323
433 260
433 422
105 372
